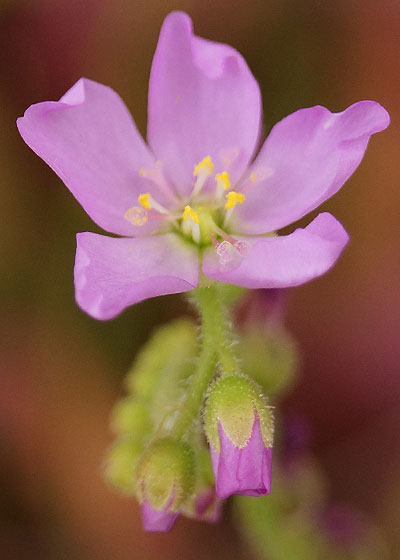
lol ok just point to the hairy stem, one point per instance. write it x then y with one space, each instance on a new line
217 346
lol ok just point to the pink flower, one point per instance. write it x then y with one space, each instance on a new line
242 470
193 198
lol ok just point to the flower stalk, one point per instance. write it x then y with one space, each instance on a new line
216 347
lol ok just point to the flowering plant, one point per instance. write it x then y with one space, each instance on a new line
195 209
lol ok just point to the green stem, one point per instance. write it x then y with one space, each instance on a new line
226 344
216 346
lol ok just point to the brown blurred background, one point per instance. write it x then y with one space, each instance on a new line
61 371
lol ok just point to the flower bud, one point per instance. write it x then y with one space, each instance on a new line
166 355
120 464
268 352
204 504
165 477
130 416
239 428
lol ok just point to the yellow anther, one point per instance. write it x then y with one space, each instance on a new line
206 167
233 198
144 200
190 214
253 177
136 215
223 180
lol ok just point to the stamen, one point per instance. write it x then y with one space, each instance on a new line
233 198
260 174
223 183
190 214
202 171
148 202
205 164
229 155
136 215
191 223
155 175
223 180
143 199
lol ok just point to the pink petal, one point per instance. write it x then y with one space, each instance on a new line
245 471
305 160
112 273
155 520
281 262
203 100
207 506
90 140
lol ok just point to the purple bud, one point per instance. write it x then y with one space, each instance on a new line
207 506
157 520
164 481
242 470
264 308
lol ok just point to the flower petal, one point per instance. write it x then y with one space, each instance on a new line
207 506
90 140
203 100
245 471
112 273
305 160
157 520
281 262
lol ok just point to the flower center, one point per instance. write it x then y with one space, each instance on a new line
204 217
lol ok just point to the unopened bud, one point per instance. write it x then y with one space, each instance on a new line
120 464
239 427
268 352
131 417
271 358
165 477
204 504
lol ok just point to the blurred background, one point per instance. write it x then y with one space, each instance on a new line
61 371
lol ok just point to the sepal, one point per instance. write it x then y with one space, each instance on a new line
239 427
164 480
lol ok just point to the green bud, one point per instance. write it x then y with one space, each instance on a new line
166 353
233 401
130 416
120 464
165 474
269 358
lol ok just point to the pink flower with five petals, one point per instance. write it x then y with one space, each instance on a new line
195 198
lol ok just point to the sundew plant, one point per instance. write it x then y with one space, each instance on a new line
198 210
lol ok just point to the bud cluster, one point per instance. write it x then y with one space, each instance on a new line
194 429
